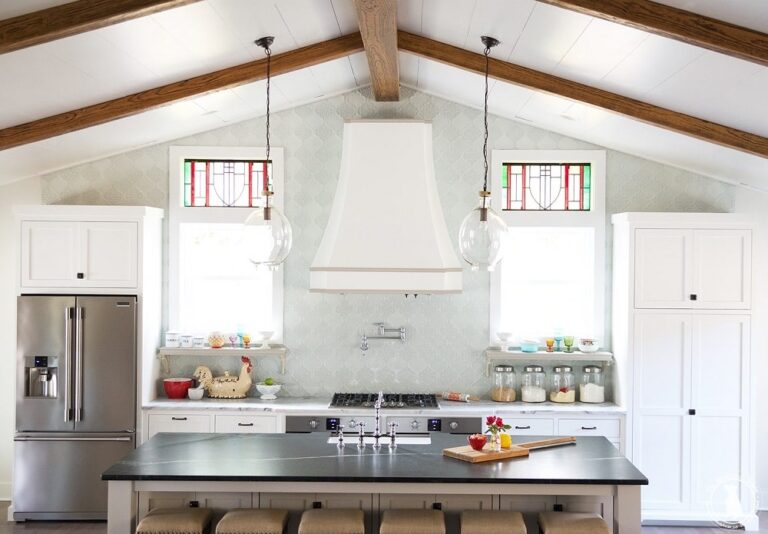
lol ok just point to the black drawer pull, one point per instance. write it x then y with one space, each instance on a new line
522 427
178 418
694 296
244 424
589 428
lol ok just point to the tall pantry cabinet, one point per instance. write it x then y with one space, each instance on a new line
681 334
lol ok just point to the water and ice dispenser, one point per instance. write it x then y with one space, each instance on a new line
41 373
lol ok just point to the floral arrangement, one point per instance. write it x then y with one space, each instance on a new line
495 425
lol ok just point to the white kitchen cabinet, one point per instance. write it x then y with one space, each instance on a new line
178 422
692 268
88 249
690 422
109 254
245 424
49 253
77 254
228 422
685 364
530 426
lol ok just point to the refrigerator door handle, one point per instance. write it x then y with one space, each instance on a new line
68 362
78 371
28 438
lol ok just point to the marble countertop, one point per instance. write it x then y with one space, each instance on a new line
320 406
310 458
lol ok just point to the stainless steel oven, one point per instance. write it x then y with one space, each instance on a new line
406 424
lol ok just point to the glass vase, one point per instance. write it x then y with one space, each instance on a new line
496 442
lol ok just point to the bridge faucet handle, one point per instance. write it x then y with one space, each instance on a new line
340 433
361 435
392 434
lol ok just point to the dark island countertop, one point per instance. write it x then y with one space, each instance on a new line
309 458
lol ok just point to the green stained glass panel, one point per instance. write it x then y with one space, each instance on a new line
187 183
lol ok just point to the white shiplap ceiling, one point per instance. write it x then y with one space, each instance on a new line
173 45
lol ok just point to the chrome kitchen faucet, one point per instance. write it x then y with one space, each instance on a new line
383 333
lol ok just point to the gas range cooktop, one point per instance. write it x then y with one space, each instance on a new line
391 400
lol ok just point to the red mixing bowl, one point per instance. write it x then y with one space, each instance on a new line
176 388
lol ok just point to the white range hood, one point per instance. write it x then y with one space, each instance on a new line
386 233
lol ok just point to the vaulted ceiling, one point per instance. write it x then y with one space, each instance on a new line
180 43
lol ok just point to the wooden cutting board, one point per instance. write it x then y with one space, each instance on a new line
468 454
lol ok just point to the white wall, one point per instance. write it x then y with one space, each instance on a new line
22 192
756 204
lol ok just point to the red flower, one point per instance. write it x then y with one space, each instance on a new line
499 422
490 420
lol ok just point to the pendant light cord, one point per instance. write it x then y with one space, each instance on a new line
269 76
485 122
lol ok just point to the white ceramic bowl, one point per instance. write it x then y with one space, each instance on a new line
268 392
588 345
195 393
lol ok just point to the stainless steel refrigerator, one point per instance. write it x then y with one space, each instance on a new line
75 402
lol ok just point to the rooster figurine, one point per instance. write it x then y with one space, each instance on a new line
227 386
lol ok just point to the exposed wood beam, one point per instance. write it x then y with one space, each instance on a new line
642 111
174 92
675 23
378 26
73 18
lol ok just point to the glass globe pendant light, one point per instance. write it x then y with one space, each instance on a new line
482 231
267 234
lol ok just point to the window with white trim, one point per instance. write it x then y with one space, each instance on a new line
552 276
212 284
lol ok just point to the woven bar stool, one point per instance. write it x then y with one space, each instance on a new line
253 521
332 521
175 521
572 523
492 522
412 522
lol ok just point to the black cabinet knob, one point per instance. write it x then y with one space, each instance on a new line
693 296
691 412
80 276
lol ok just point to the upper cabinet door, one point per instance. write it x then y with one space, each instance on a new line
109 254
663 269
722 273
75 254
49 253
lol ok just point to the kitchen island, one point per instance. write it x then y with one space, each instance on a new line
308 463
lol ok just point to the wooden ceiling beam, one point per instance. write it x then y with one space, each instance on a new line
175 92
547 83
73 18
667 21
378 26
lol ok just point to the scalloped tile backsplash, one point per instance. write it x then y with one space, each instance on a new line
446 334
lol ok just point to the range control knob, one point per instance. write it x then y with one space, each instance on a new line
313 423
415 424
351 423
454 425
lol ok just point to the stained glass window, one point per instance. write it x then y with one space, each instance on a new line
546 186
225 183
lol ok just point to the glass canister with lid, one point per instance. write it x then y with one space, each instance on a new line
533 382
562 384
592 385
504 384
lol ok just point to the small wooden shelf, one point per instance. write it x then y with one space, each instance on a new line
279 351
496 355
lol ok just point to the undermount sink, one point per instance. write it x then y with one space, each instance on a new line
384 440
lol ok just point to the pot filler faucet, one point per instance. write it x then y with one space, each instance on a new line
383 333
